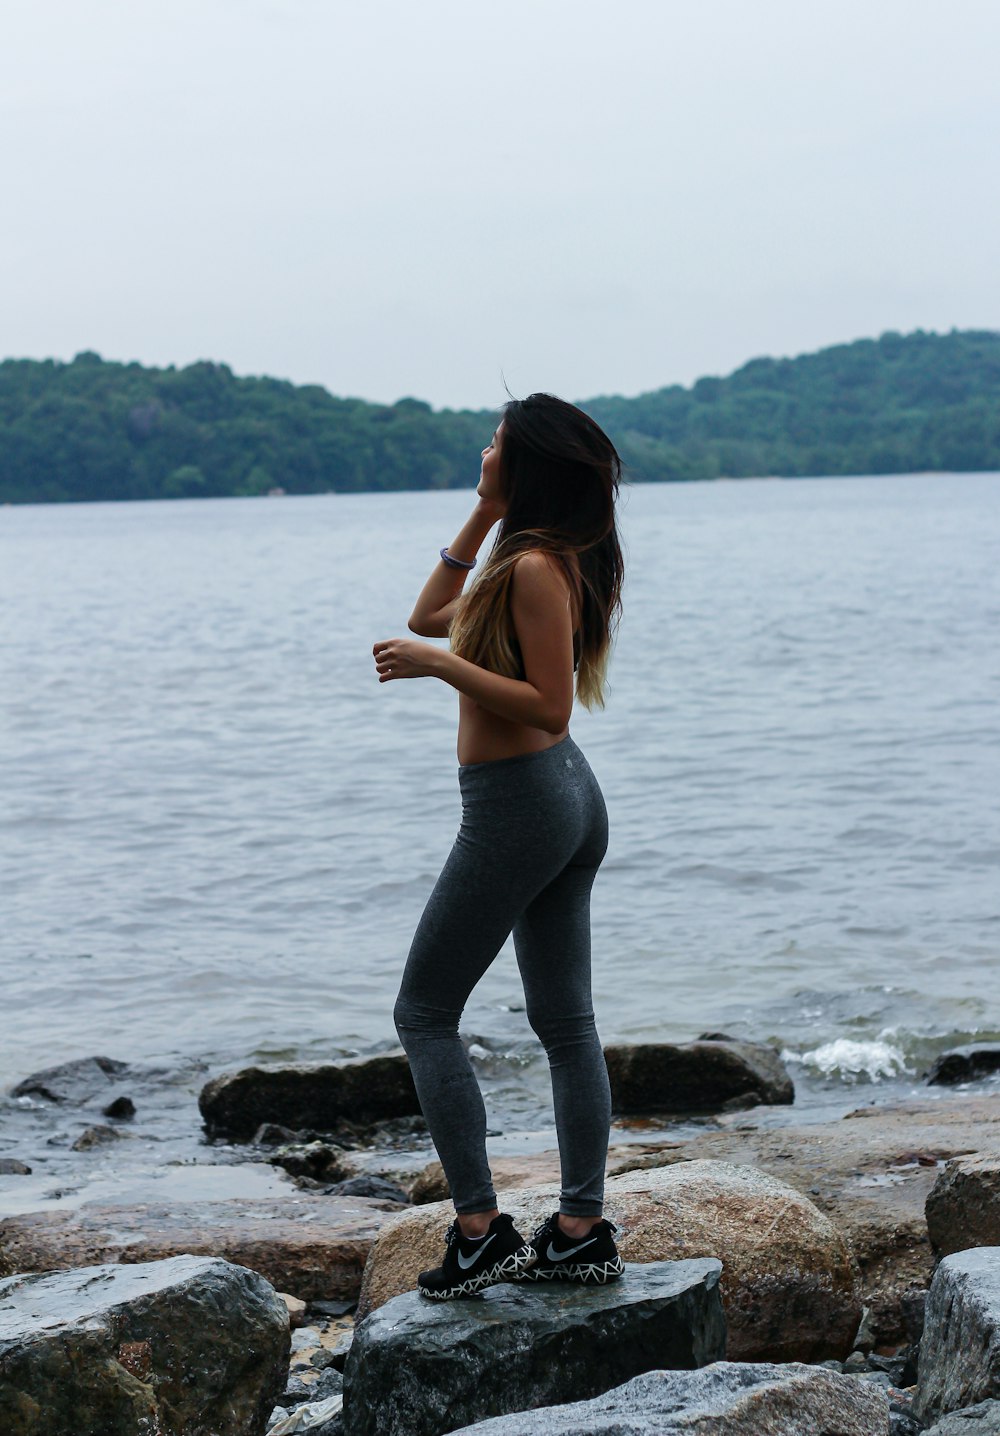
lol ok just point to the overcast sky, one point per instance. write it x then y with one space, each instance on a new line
424 197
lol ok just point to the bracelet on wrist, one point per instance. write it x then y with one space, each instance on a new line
455 562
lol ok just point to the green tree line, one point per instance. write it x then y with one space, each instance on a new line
94 429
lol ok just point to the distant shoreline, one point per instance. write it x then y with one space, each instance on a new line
334 494
92 430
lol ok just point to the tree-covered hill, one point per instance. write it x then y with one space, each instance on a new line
92 429
898 404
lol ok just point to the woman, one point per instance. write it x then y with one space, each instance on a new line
533 832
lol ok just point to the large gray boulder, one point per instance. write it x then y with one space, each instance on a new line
315 1095
725 1399
702 1076
187 1347
960 1348
421 1368
963 1206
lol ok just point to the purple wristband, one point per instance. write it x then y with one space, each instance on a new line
455 562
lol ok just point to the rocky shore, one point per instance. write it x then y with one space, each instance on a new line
778 1275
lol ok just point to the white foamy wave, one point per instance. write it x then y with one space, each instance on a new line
851 1060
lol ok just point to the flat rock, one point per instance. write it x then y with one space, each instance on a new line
963 1206
311 1246
724 1399
72 1082
960 1348
702 1076
315 1096
965 1064
184 1347
788 1285
871 1173
420 1368
983 1419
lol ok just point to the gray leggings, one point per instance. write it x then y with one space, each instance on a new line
534 830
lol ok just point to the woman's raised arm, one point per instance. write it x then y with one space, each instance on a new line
435 607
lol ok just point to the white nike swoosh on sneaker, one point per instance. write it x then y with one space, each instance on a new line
553 1255
466 1262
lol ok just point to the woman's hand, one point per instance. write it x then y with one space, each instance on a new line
491 509
404 658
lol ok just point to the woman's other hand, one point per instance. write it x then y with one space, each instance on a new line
404 658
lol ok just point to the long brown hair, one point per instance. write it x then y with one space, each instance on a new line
560 475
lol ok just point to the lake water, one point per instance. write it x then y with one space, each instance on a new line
219 830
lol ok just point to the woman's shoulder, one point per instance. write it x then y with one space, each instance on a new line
540 566
542 577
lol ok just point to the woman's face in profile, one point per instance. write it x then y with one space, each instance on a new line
489 477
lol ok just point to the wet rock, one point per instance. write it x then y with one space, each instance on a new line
419 1368
396 1133
72 1082
876 1378
316 1160
271 1134
98 1136
311 1246
122 1109
702 1076
789 1285
963 1207
330 1383
360 1090
965 1064
960 1349
296 1391
11 1167
378 1188
181 1346
983 1419
740 1400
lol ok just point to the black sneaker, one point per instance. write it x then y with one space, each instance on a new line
469 1263
592 1259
